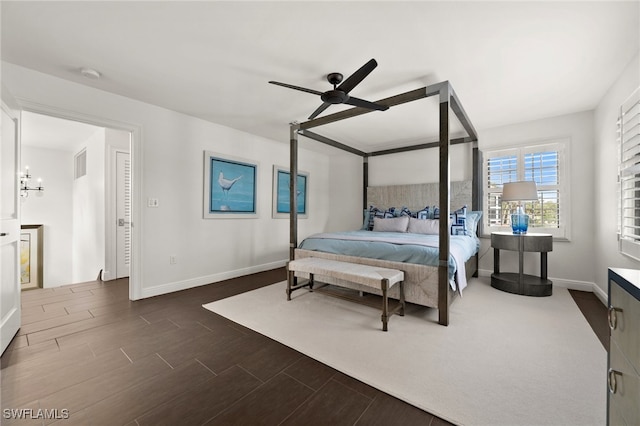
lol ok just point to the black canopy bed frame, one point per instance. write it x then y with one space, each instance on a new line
448 101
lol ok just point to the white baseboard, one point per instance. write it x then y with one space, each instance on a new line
569 284
601 294
208 279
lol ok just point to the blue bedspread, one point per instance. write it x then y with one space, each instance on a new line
400 247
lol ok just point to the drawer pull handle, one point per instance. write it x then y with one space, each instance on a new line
612 317
612 382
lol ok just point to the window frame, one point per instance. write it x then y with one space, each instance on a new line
561 146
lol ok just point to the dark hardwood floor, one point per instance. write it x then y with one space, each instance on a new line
86 355
595 313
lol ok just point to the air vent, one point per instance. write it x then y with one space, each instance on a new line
80 161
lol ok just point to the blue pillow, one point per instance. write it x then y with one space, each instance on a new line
369 214
367 219
473 218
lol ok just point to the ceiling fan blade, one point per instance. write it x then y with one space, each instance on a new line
302 89
354 79
366 104
321 108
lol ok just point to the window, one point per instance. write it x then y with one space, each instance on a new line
544 164
629 175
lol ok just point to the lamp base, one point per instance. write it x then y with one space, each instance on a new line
519 223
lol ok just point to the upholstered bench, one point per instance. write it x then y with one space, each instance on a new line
370 276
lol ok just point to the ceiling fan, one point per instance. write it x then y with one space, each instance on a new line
340 94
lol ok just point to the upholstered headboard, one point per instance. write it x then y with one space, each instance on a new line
416 196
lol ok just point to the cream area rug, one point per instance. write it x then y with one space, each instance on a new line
504 359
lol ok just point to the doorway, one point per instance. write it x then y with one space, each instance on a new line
78 202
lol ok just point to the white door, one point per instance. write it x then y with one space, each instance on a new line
123 212
9 224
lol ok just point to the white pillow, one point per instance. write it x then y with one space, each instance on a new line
392 224
424 226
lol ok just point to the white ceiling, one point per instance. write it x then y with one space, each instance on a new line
54 133
508 61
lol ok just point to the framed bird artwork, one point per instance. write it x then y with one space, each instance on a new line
230 187
282 195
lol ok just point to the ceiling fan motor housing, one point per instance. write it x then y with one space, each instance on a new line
334 97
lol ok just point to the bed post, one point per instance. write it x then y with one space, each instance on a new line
475 191
293 206
365 180
444 237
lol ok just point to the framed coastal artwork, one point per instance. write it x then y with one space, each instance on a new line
281 196
230 187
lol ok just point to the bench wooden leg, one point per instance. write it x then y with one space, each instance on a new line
385 304
402 302
290 278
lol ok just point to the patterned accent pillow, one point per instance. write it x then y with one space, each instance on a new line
405 212
394 224
459 221
424 213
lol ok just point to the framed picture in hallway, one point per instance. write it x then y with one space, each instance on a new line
281 196
230 187
31 252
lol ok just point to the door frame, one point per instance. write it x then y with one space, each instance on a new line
135 151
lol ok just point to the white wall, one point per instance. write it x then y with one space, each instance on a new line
606 172
88 242
171 149
52 208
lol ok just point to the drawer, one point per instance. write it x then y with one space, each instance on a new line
624 321
505 242
624 388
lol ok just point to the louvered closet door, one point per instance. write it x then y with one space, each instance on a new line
123 210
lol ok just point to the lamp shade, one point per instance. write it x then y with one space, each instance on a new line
519 191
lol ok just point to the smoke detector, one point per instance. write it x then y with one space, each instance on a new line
90 73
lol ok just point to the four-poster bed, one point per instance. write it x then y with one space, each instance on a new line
448 100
